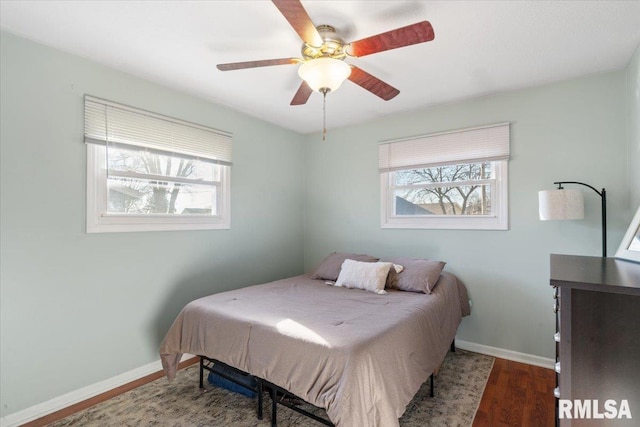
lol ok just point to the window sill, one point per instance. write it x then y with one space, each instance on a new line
446 223
111 224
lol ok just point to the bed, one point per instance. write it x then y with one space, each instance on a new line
360 355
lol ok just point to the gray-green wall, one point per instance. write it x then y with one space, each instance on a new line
79 308
571 131
633 110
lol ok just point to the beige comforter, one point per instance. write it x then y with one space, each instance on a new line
360 355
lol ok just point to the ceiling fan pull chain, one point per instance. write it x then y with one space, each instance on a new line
324 114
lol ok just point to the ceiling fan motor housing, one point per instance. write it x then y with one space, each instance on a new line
332 46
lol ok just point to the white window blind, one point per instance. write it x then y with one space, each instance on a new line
487 143
110 123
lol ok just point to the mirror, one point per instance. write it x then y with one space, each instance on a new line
630 247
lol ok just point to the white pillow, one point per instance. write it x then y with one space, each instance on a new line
370 276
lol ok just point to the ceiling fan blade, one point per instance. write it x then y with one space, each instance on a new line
299 19
302 95
419 32
372 84
254 64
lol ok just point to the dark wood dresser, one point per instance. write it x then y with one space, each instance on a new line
597 305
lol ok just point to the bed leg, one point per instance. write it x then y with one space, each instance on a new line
260 390
274 407
431 394
453 346
201 372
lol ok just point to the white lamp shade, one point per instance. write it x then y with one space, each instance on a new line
324 73
561 204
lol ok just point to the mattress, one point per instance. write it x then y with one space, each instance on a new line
359 355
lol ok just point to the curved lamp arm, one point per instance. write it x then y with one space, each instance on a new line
603 195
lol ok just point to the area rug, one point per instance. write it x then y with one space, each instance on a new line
458 390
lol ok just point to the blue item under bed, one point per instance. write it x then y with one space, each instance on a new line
242 384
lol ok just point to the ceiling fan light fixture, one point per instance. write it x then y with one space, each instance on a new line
324 74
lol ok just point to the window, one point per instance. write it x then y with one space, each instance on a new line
452 180
150 172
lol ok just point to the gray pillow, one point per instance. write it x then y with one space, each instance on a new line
419 275
329 269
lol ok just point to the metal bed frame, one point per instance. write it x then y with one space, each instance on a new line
278 394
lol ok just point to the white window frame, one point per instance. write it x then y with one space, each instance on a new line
497 220
99 220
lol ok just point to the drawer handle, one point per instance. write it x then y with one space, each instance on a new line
557 367
556 337
556 392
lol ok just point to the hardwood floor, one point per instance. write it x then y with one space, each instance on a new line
517 394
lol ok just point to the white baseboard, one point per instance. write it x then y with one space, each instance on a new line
506 354
42 409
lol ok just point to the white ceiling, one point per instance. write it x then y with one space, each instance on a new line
480 47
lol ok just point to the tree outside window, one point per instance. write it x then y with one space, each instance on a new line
463 189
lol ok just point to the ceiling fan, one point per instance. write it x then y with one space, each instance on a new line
323 53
